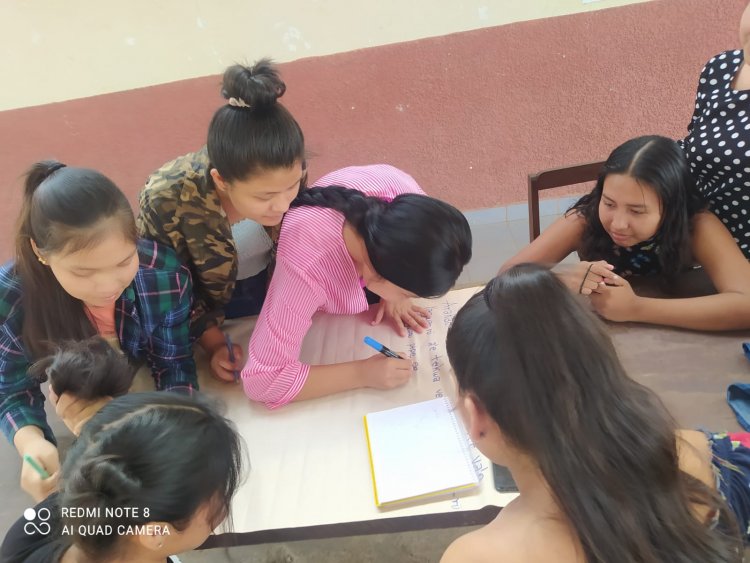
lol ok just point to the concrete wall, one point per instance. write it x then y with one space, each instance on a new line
469 114
59 50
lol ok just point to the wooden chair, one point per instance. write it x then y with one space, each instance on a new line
556 178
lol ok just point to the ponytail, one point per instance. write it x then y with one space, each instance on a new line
605 445
416 242
62 211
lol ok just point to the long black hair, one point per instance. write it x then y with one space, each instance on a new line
164 454
253 132
416 242
546 371
658 163
64 209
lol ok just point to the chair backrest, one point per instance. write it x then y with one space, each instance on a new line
557 178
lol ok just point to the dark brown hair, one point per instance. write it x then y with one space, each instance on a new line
88 369
64 210
546 371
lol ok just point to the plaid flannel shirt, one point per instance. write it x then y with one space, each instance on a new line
151 320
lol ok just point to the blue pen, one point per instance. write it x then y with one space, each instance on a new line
380 348
231 355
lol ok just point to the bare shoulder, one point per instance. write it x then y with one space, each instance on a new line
715 249
704 218
707 226
485 545
694 454
462 549
516 540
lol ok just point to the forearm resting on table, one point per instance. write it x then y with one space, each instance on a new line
25 436
724 311
331 379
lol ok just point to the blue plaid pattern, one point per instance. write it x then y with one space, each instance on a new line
152 320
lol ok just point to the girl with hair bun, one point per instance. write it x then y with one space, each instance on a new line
358 230
81 271
604 475
220 208
645 217
151 475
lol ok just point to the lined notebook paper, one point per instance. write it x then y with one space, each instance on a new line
418 451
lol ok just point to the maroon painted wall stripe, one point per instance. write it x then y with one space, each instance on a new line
469 115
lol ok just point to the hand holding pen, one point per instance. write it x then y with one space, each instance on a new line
224 359
385 370
40 468
36 467
230 349
380 348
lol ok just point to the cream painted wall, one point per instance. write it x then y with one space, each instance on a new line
55 50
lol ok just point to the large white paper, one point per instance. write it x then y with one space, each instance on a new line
309 460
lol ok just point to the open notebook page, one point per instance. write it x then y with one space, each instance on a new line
418 450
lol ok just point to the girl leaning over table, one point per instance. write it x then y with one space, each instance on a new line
645 217
80 270
357 230
220 208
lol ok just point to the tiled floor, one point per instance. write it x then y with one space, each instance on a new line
495 240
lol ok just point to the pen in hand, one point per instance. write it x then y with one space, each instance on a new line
380 348
38 468
232 358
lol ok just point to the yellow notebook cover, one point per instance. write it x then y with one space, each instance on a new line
417 452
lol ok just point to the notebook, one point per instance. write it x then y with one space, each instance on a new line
417 452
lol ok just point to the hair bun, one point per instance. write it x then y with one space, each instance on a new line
103 477
255 87
88 369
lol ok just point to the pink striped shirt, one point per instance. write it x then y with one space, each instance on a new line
314 272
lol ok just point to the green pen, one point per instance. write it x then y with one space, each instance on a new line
38 468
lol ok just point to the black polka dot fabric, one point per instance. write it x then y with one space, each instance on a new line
718 145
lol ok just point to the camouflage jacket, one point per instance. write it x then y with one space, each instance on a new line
179 207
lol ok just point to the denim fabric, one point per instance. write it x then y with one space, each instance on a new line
731 461
738 396
247 297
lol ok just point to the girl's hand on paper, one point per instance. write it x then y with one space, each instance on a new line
402 314
382 372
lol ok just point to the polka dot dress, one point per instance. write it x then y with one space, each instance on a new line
718 145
